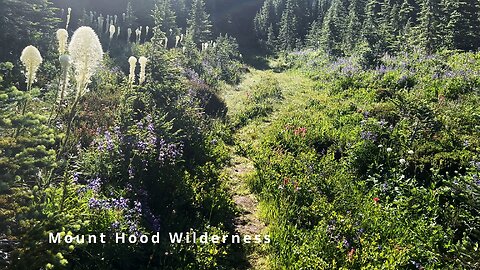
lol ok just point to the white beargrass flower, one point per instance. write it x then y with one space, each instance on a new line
31 60
147 30
129 34
86 53
62 38
118 31
181 38
177 39
69 13
65 62
143 63
410 152
112 31
115 17
100 23
124 16
133 63
138 33
166 42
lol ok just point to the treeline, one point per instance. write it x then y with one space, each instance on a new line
341 27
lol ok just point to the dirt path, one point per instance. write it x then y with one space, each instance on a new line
247 222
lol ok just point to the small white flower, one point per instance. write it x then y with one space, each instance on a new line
380 145
389 149
410 152
402 161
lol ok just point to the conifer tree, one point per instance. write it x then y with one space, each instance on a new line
19 19
264 20
199 25
165 21
354 24
26 142
466 24
288 27
429 29
333 28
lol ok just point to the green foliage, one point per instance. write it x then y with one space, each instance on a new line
260 102
23 23
26 143
377 168
199 25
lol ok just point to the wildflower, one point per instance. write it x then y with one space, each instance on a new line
112 31
133 62
129 34
147 30
300 131
351 253
118 31
376 199
410 152
138 34
69 14
86 53
65 62
177 39
115 225
62 38
402 161
143 63
31 60
389 149
166 42
100 23
380 146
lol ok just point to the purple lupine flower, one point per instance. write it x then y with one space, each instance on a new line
382 122
108 140
94 184
120 203
115 225
141 145
368 135
131 173
137 208
75 177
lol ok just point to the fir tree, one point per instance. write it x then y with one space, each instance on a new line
466 26
165 21
354 24
23 23
288 27
429 29
199 25
333 28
